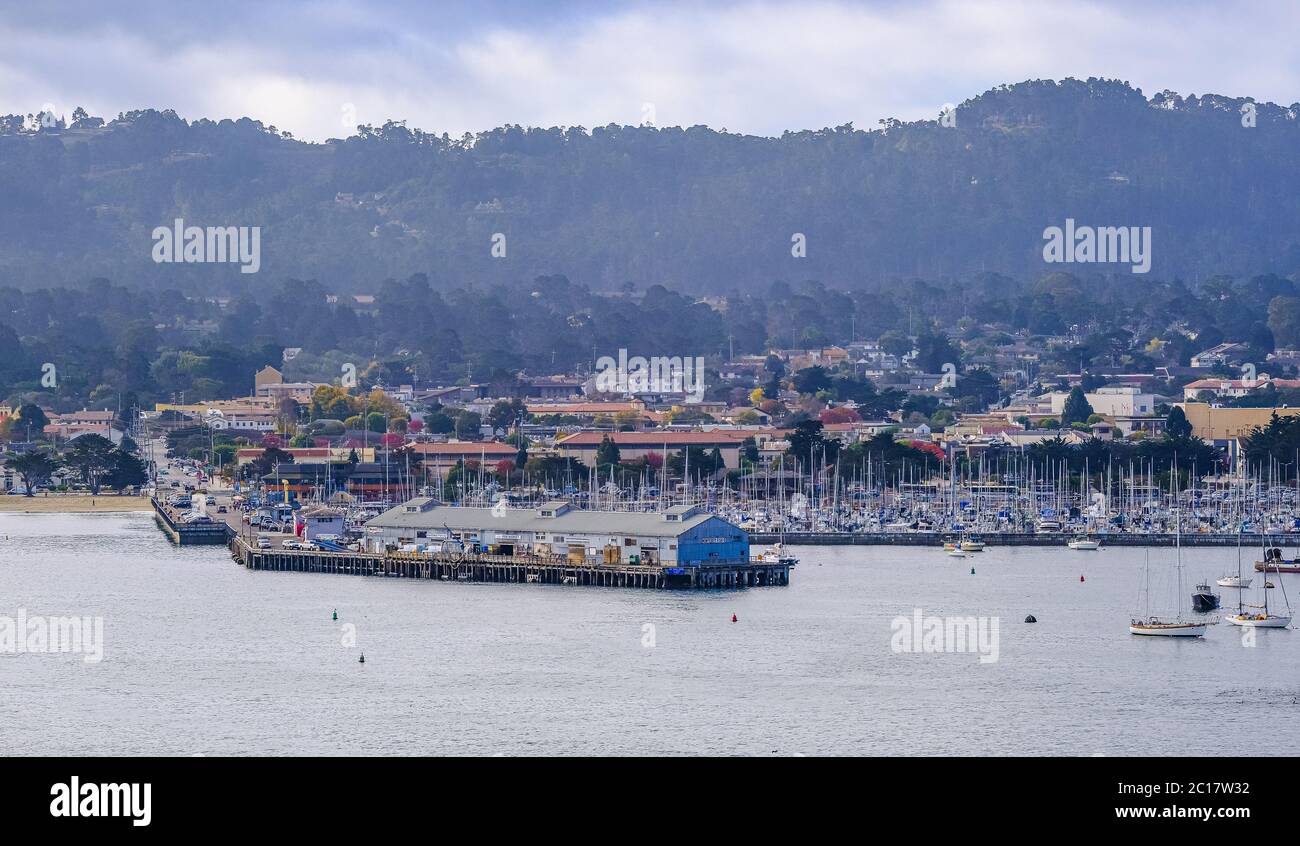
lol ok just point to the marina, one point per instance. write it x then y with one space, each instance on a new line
241 661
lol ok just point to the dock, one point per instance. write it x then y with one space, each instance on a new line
525 569
189 534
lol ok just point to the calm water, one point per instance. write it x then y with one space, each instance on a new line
201 656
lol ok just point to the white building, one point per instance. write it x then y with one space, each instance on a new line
1112 401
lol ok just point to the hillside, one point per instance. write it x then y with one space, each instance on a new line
694 209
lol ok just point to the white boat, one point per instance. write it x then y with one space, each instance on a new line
1152 626
955 553
1084 543
1259 616
1233 582
1259 619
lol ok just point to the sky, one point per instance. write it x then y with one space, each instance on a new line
317 69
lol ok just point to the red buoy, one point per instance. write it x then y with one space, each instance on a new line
1080 578
733 619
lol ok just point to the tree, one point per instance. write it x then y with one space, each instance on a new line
607 453
92 455
265 464
440 423
627 421
810 380
934 350
34 468
127 471
1284 320
1177 425
807 442
468 426
30 422
504 413
1077 409
896 343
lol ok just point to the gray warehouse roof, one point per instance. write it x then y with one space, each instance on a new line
424 513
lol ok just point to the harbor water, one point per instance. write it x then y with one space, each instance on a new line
203 657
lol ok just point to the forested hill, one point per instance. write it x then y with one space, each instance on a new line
694 209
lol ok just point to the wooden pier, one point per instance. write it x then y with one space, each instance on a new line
526 569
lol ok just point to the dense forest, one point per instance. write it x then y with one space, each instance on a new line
697 210
108 342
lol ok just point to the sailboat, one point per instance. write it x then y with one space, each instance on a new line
1154 626
1085 541
1259 616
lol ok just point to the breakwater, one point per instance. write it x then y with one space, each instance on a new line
188 534
1011 539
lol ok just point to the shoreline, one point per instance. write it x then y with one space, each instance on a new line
73 504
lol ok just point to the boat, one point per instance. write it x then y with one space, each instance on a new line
776 554
1204 598
1233 582
1160 628
1152 626
1259 616
972 546
1274 562
1083 543
955 553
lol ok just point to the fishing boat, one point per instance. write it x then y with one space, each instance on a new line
1259 616
1204 598
972 546
1153 626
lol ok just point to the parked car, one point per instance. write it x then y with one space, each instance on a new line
263 542
212 500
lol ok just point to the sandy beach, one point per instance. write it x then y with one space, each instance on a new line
72 503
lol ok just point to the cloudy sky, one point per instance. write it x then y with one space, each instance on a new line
319 68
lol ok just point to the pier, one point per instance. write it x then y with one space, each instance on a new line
189 534
527 569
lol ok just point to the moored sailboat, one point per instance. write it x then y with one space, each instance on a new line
1153 626
1259 616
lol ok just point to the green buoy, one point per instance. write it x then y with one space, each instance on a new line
362 659
336 613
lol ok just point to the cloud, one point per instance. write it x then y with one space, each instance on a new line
751 67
